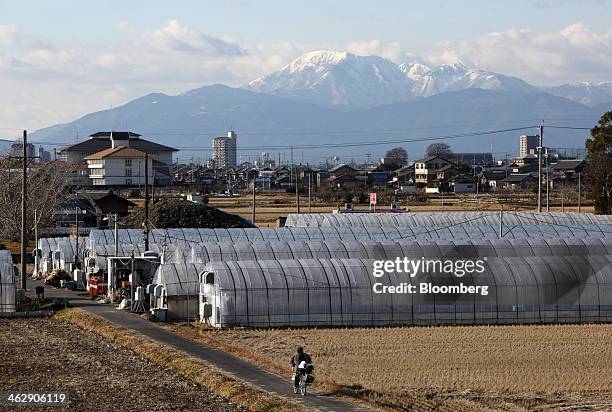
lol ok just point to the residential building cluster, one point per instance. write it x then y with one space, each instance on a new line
116 159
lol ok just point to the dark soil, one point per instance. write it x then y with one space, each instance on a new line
176 213
45 354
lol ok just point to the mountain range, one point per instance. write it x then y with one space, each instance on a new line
328 97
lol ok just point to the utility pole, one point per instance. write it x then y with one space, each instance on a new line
547 184
253 213
115 221
540 141
76 247
579 191
291 167
297 192
506 163
501 221
563 198
132 280
309 190
477 193
36 257
24 209
146 205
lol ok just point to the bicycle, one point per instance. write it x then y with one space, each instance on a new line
305 379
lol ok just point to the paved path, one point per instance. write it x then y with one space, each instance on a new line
223 360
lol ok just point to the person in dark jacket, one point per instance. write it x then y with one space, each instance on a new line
295 361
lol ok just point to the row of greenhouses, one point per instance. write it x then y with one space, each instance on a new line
168 236
7 282
59 253
536 268
343 292
444 218
180 298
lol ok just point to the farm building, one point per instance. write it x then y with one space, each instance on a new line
433 219
342 292
170 253
7 282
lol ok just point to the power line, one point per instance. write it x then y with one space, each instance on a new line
336 145
570 127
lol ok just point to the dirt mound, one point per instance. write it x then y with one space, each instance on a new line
177 213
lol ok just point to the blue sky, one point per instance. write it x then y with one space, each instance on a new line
413 22
61 59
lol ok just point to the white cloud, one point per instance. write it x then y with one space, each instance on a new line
45 83
179 37
574 53
391 51
12 38
123 25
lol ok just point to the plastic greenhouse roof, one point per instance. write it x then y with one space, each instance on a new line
179 279
387 249
443 218
98 237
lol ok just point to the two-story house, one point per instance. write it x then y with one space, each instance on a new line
433 170
118 166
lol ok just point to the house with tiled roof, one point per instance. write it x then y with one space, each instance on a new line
119 166
161 155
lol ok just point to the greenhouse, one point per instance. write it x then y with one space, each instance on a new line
179 290
7 282
443 218
344 292
106 237
367 249
59 253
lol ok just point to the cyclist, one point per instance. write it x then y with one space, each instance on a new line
296 362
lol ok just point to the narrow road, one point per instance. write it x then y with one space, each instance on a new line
228 363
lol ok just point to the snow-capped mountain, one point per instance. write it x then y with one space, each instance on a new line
345 79
587 93
338 79
429 81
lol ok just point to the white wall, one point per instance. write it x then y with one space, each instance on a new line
114 172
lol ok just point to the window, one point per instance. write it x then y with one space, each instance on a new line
128 162
128 182
128 172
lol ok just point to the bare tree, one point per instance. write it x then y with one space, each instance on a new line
397 155
439 149
47 190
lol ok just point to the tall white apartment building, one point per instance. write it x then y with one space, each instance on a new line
527 145
224 150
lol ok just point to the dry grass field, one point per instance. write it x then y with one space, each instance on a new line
270 206
512 368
